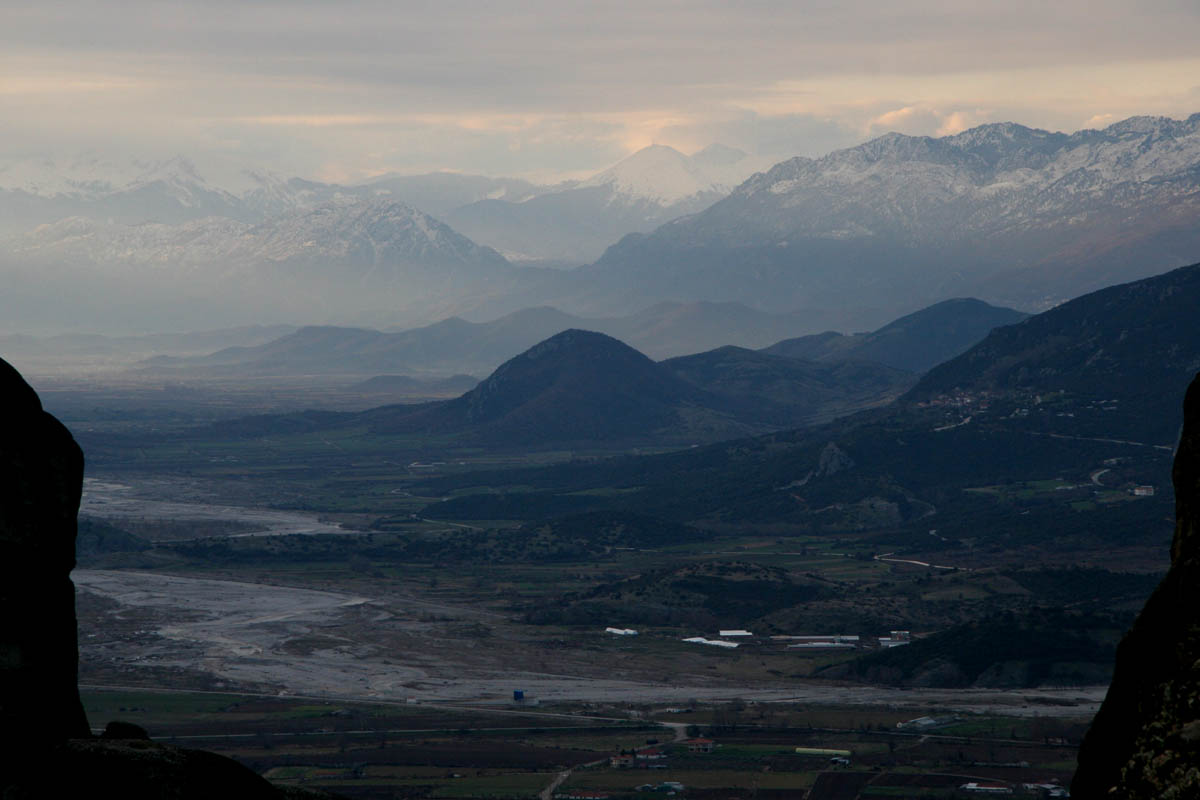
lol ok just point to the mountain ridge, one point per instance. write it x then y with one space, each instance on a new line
915 342
1013 215
457 345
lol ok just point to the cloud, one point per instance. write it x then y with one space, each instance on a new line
1100 120
912 120
955 122
925 121
542 86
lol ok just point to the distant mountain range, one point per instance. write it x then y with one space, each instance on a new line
1048 423
571 222
378 260
586 389
132 192
1017 216
456 346
576 223
915 342
1011 214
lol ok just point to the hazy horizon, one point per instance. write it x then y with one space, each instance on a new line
547 92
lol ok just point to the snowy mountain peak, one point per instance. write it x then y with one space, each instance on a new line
176 169
658 173
375 230
1029 216
1144 125
663 175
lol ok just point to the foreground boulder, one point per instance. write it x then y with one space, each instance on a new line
1145 741
41 479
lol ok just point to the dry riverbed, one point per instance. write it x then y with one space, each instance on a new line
393 647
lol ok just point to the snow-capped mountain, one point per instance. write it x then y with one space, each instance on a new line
659 174
350 260
35 191
1015 215
381 240
574 224
570 222
41 190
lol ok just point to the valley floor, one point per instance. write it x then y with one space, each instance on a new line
301 642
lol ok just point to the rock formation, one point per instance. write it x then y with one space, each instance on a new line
41 479
1145 741
46 746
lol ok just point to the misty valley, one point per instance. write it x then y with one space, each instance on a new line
868 533
702 475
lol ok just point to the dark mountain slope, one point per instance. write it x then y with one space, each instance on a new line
586 388
575 386
788 390
581 386
915 342
969 451
1135 345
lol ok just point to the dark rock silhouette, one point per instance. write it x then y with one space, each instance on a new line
124 730
46 746
1145 741
41 480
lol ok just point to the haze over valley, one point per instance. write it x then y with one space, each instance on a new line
554 401
1012 215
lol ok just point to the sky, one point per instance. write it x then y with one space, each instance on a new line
557 89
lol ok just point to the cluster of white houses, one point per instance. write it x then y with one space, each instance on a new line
734 637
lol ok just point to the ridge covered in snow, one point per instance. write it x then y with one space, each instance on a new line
1015 215
381 231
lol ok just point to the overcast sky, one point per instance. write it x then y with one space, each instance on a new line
553 88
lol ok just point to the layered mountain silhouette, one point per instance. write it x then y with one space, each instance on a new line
585 388
581 386
1085 386
575 386
914 342
455 345
1017 216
